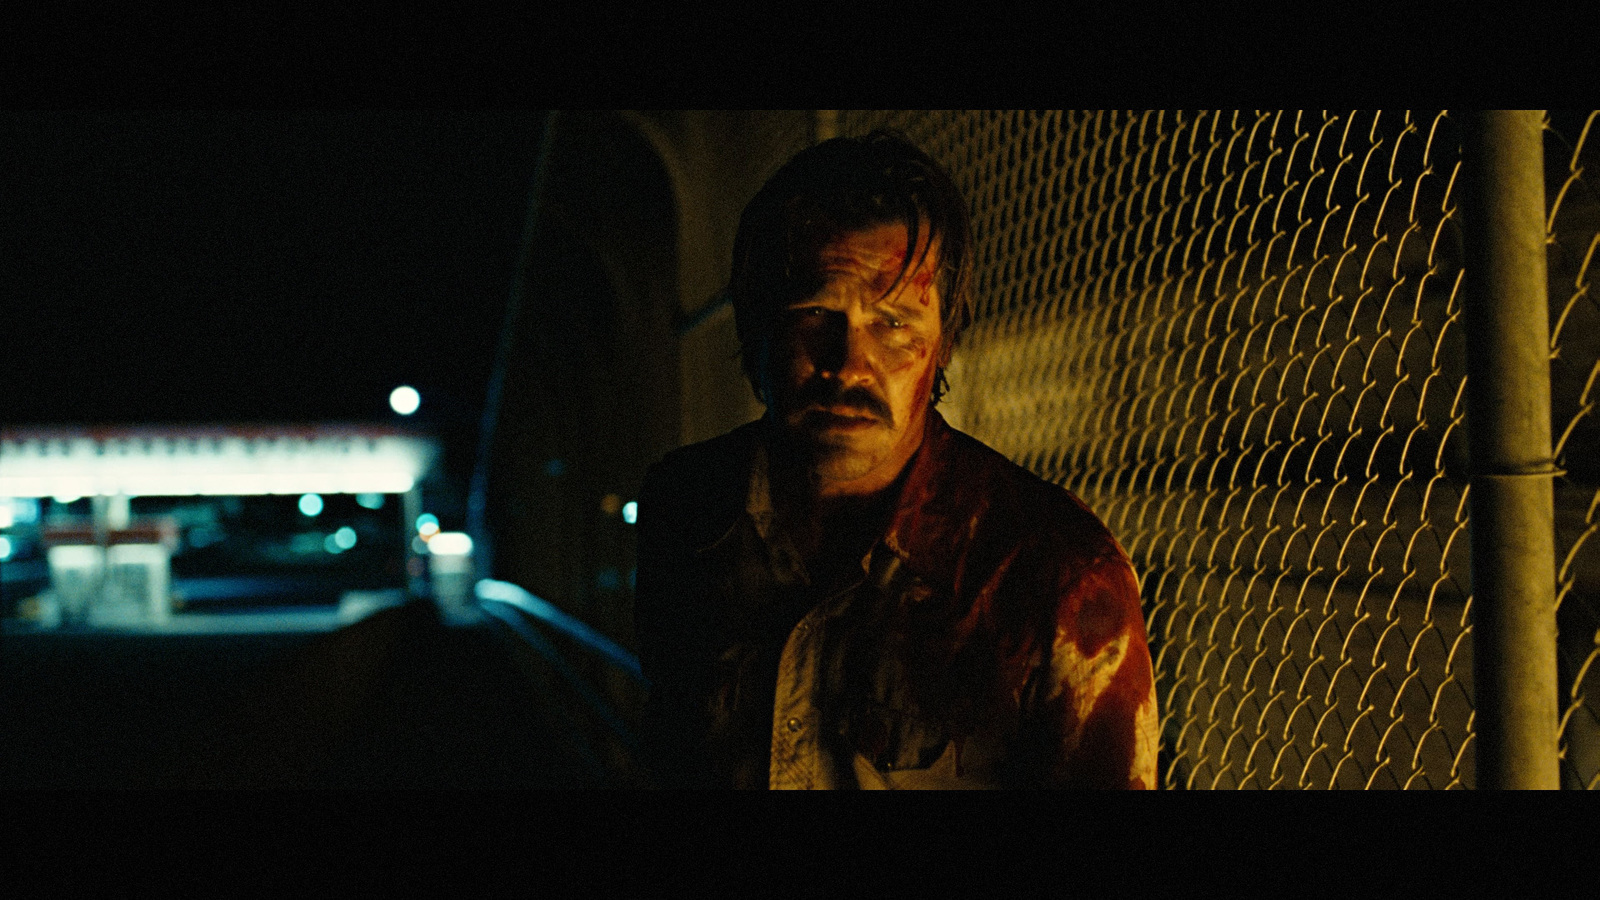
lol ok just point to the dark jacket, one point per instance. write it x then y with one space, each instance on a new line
995 638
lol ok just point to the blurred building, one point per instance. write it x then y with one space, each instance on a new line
97 520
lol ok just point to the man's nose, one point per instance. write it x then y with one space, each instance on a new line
853 355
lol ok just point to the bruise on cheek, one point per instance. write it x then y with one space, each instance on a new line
902 353
919 354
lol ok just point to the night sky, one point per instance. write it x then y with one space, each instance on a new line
263 267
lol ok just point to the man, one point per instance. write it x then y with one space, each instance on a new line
848 592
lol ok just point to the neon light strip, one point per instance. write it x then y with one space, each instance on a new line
226 468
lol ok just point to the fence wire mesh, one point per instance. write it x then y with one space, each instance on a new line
1574 237
1237 336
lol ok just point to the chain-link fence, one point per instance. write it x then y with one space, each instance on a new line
1238 336
1574 238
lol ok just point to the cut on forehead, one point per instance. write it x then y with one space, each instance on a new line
883 254
882 245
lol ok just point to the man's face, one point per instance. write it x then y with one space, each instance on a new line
853 363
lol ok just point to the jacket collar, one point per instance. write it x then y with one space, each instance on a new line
939 508
933 516
785 560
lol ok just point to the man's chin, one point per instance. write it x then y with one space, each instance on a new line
834 437
836 454
834 465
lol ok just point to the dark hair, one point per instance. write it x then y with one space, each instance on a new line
842 185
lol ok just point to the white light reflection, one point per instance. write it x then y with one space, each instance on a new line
228 465
405 400
450 543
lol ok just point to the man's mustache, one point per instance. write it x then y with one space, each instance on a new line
827 393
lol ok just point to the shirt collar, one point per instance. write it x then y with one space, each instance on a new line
946 495
785 560
919 528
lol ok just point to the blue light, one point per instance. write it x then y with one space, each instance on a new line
370 501
345 537
5 547
311 504
630 512
427 523
27 509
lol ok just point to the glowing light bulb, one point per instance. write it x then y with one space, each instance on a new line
345 537
311 504
405 400
630 512
427 525
450 543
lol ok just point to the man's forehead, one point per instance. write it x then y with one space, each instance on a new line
877 251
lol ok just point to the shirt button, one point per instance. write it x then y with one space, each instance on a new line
794 724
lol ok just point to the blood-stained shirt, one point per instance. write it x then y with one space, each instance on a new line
993 640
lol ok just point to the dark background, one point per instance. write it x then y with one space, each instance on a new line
243 267
281 268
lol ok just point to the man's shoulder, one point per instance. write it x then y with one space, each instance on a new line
700 487
1016 501
726 458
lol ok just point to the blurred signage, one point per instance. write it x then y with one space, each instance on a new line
211 460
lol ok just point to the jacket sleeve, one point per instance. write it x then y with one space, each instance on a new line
1095 705
652 619
670 631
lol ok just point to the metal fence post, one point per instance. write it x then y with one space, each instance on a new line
1508 415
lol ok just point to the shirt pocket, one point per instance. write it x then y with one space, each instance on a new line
891 739
947 773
